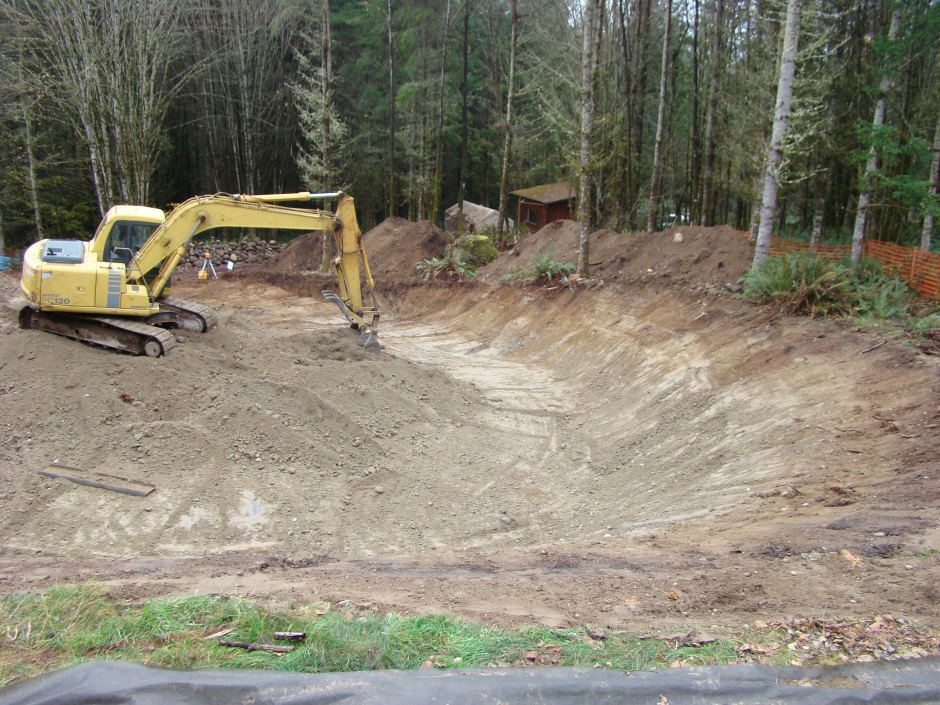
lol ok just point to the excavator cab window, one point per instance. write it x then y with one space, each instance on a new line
125 239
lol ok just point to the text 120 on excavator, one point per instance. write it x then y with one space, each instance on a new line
109 290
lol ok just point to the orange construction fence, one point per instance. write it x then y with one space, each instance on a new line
918 269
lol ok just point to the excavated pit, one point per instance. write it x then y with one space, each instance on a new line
542 454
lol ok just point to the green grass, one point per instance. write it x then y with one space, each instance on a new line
69 625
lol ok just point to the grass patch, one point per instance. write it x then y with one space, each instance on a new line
69 625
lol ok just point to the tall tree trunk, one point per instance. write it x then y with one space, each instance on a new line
709 173
818 212
326 62
31 173
507 140
392 195
423 166
768 209
439 164
464 128
927 230
30 157
864 197
623 127
695 156
639 96
588 58
660 124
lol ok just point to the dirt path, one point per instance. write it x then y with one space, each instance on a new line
609 457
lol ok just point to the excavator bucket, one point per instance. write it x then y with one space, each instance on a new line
367 337
369 341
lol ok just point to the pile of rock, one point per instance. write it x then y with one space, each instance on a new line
237 252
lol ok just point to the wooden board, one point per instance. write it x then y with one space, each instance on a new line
100 480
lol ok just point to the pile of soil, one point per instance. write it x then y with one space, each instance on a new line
393 249
689 256
396 245
303 254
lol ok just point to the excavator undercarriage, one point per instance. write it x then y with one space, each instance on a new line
151 336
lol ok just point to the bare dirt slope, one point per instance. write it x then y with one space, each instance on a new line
642 454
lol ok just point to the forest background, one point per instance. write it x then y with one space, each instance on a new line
412 105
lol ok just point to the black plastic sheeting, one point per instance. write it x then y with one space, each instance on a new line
112 683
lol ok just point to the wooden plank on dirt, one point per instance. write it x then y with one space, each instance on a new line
290 636
101 480
257 647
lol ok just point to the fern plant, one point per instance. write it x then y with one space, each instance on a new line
447 267
801 283
879 295
544 268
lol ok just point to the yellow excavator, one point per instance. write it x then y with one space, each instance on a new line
110 291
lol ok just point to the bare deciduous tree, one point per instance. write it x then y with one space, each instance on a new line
660 124
507 139
927 228
592 13
791 37
711 118
116 68
245 89
864 197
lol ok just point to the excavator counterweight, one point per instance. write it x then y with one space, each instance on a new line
110 290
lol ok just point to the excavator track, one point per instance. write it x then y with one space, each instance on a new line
115 333
201 316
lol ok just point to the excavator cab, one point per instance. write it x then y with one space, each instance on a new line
125 239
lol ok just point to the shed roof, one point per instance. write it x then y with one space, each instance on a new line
547 193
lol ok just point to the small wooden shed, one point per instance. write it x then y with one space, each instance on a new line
541 205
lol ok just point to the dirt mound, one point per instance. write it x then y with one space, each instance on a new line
396 245
690 256
304 254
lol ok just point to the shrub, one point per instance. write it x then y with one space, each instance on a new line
476 249
801 283
883 298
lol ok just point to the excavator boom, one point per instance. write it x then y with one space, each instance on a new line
116 281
